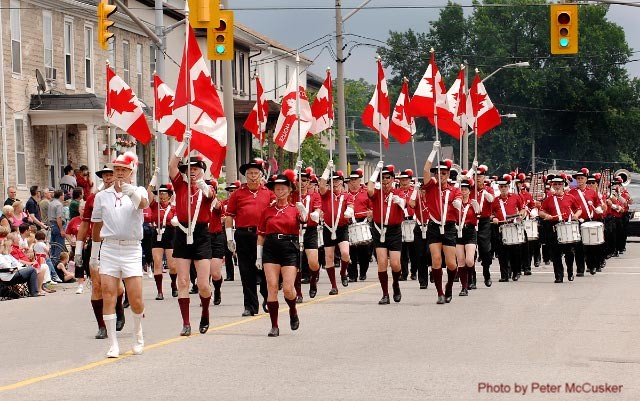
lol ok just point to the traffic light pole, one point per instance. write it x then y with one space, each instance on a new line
162 141
231 164
342 129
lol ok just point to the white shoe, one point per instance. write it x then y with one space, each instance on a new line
114 352
138 346
80 290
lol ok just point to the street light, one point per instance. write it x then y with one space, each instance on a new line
523 64
509 115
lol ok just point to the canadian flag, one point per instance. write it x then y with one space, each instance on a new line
402 125
124 110
376 114
457 102
167 123
206 118
430 95
256 122
322 108
485 115
286 134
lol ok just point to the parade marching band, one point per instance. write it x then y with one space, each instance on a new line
449 220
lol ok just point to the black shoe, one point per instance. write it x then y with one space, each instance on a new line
515 277
413 276
204 325
558 280
334 291
440 300
274 332
299 299
362 277
217 297
448 299
295 322
265 308
159 297
463 293
537 264
527 272
305 280
402 278
101 334
353 280
592 271
598 269
579 274
487 282
423 286
247 312
570 277
472 286
228 279
384 300
186 330
126 304
120 320
174 293
345 281
313 292
397 295
194 290
503 280
431 278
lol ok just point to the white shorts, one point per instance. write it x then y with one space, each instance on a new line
121 261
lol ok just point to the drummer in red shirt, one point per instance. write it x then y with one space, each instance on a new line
506 207
442 199
467 235
588 200
484 195
420 247
408 255
337 208
162 212
388 212
198 247
559 207
360 254
599 214
278 247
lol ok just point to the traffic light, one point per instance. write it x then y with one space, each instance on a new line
564 29
203 13
104 23
220 40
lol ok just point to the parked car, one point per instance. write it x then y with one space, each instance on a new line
633 228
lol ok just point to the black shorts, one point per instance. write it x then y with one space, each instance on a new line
80 271
167 238
283 252
446 239
469 235
342 235
218 244
311 237
201 247
392 237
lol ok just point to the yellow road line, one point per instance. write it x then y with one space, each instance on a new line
108 361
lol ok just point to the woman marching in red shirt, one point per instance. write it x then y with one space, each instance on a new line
163 234
467 236
278 247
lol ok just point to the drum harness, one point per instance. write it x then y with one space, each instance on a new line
382 230
443 217
196 213
164 220
334 224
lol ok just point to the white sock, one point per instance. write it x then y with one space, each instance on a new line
110 322
137 328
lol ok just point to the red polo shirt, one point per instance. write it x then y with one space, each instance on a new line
246 206
396 213
311 201
347 199
566 202
361 202
589 195
168 209
180 189
280 220
433 200
512 205
406 194
470 216
485 207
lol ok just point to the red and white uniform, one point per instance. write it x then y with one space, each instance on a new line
405 193
166 213
344 198
181 194
215 224
280 220
421 209
485 206
584 196
246 206
311 202
506 206
361 202
394 211
566 204
433 200
527 200
466 214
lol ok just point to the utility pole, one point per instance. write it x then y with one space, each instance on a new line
342 131
231 164
162 141
465 131
533 153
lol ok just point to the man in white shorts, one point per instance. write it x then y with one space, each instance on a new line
118 217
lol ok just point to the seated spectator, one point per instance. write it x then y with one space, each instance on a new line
19 215
13 272
69 277
74 205
7 217
24 237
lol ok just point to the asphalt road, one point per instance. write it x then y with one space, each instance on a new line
551 338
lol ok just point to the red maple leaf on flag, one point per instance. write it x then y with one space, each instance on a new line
122 101
203 84
399 110
478 99
165 107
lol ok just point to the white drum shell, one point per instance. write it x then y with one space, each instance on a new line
360 233
568 232
512 234
407 230
592 233
531 227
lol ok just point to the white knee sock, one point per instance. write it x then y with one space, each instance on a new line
110 322
138 339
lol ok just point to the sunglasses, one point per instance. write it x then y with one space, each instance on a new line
304 180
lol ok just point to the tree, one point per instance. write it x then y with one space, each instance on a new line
582 110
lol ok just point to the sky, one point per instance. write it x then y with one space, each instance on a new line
296 28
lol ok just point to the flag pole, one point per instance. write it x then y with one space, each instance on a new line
260 133
299 171
382 236
333 229
435 121
155 140
188 125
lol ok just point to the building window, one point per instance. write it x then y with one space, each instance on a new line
275 80
88 58
68 53
111 52
214 70
47 38
16 38
139 69
286 74
21 164
242 73
152 62
234 74
125 62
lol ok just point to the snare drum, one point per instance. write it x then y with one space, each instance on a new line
568 232
320 229
531 227
512 234
359 233
592 233
407 230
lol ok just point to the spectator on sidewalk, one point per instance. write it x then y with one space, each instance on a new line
33 208
19 216
83 179
47 195
74 205
13 272
68 181
12 196
57 222
7 217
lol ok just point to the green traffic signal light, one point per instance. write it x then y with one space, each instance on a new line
564 42
220 49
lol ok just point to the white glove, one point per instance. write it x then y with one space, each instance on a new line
174 221
590 203
397 200
182 146
475 205
581 220
128 189
315 216
414 194
298 167
599 210
534 212
132 192
474 165
330 164
457 203
348 213
303 210
434 151
379 165
231 243
187 136
259 257
94 262
488 197
203 187
154 180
